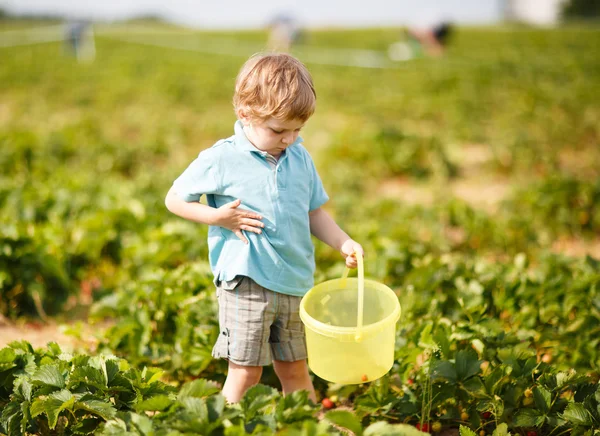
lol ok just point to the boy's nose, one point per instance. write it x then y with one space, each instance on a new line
288 139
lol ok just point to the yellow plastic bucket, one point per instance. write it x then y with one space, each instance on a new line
350 326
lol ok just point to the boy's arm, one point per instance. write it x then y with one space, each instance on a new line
227 216
197 212
327 230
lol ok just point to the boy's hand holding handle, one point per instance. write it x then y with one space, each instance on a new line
350 249
230 217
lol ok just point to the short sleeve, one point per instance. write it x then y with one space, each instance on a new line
199 178
318 196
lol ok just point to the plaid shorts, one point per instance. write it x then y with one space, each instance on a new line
258 325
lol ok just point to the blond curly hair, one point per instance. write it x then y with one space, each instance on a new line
274 85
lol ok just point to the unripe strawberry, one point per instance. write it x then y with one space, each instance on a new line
436 426
464 416
364 378
527 401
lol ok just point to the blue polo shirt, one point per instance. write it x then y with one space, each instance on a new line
281 258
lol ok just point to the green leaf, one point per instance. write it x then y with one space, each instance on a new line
155 376
426 339
542 399
11 418
215 406
444 370
22 345
88 376
53 405
475 387
497 378
49 375
97 407
467 364
441 336
7 359
155 403
196 406
466 431
565 377
54 348
23 388
256 398
294 407
528 418
501 430
576 413
198 388
130 424
112 369
99 363
141 423
87 426
383 428
345 419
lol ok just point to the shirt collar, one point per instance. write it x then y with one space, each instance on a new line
244 144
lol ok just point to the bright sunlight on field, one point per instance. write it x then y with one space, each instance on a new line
472 181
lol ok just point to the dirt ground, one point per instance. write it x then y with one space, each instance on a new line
39 334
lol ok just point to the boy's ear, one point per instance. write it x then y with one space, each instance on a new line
244 118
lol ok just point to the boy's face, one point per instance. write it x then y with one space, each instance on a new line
272 135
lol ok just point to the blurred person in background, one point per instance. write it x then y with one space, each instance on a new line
79 40
422 41
432 40
284 32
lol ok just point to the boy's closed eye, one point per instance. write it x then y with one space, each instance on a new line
279 132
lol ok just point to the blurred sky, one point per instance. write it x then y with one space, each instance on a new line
252 14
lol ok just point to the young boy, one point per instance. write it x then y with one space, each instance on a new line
264 200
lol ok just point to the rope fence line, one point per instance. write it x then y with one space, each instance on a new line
38 35
370 59
323 56
362 58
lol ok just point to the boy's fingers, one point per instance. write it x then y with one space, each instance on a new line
233 204
251 229
254 223
240 235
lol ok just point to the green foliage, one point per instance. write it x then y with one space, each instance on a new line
587 9
167 318
46 389
87 156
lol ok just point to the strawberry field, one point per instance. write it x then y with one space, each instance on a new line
471 180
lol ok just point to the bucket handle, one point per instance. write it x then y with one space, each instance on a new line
361 293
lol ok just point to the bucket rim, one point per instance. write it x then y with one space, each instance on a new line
338 331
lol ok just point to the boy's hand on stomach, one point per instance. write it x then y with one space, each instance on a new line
230 217
349 250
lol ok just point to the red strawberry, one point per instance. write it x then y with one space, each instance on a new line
423 427
327 403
